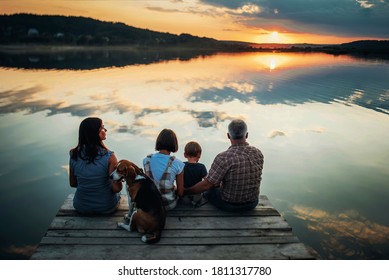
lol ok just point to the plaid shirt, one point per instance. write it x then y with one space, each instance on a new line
169 196
238 172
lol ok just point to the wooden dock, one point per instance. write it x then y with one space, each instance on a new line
190 234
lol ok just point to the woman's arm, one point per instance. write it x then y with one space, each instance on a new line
72 179
116 186
180 184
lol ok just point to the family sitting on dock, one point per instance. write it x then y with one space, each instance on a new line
232 183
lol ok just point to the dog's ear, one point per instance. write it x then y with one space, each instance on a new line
137 170
131 173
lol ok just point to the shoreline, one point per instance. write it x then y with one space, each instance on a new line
61 48
16 49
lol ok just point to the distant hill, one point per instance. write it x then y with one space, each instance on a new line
367 45
47 29
22 29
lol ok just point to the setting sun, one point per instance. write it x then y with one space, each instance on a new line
274 37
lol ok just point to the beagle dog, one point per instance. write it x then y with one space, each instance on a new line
146 211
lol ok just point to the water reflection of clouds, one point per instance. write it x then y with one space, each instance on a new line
293 93
216 95
156 92
342 228
25 251
149 97
209 118
13 101
195 99
21 100
357 94
384 96
276 133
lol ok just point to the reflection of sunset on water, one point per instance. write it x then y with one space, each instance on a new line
309 113
285 61
321 120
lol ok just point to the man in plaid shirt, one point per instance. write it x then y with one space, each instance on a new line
234 178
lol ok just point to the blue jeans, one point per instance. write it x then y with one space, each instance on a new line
214 197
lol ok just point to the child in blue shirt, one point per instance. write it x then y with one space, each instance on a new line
165 169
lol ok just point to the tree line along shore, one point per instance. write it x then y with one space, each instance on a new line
29 32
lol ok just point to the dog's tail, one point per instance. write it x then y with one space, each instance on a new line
152 238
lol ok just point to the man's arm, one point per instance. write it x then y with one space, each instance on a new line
200 187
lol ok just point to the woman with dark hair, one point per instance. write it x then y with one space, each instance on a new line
164 169
91 163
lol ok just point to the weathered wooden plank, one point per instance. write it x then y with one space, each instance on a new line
218 213
225 222
68 204
187 223
135 239
173 252
171 233
191 212
263 203
190 233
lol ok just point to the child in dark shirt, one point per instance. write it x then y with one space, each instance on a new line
194 171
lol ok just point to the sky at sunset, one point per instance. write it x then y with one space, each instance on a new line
258 21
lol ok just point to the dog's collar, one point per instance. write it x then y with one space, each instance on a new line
139 177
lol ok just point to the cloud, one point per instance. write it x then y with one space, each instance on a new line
164 10
231 30
325 17
248 9
210 10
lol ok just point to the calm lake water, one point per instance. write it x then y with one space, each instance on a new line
322 122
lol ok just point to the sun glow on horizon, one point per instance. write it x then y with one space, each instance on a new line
289 37
274 37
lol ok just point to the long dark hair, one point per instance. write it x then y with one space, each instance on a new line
89 142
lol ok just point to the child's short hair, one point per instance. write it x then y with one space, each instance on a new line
167 140
192 149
